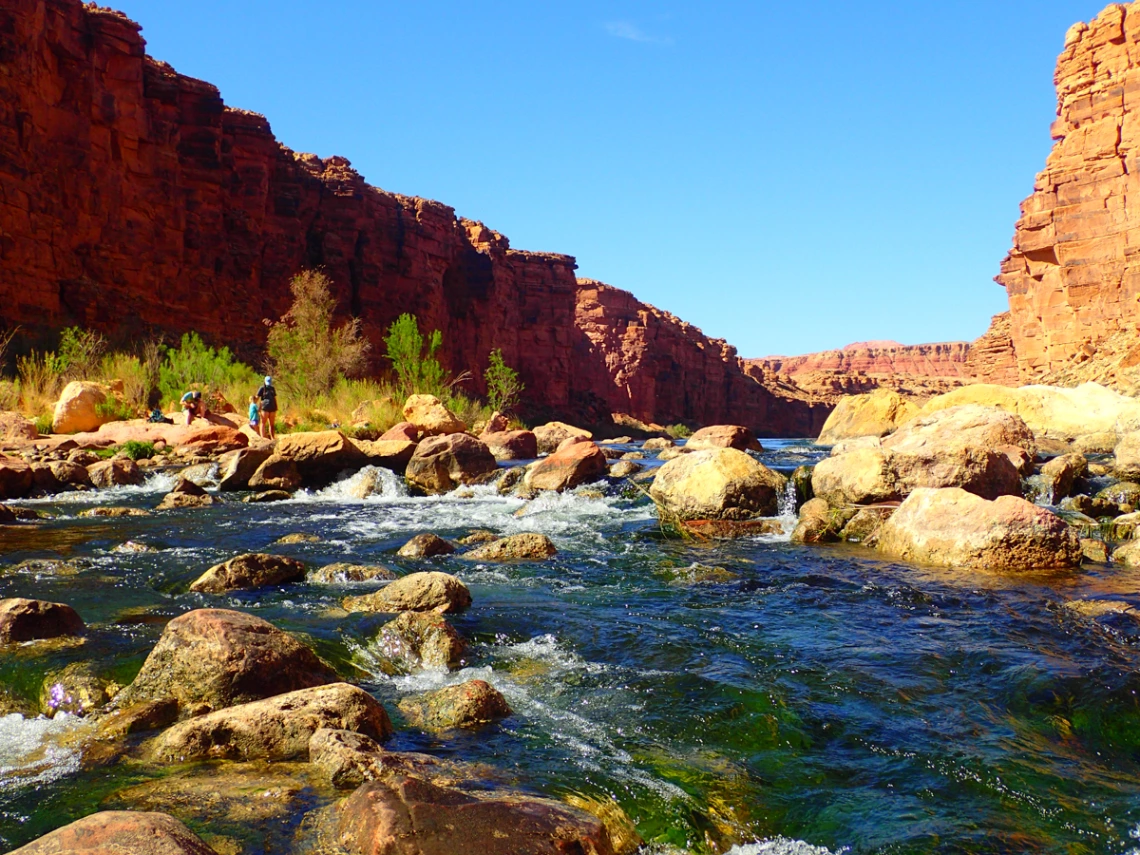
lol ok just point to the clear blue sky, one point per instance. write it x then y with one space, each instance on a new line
788 176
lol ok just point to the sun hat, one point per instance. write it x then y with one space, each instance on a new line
268 381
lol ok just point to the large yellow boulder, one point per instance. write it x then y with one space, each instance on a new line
877 413
77 408
953 528
431 417
1049 411
721 484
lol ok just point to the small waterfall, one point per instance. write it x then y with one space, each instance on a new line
786 501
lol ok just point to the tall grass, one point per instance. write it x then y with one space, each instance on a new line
39 382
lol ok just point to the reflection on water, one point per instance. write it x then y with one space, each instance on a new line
747 696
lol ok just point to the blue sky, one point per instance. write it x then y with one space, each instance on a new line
789 176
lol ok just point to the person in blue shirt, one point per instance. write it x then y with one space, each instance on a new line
254 414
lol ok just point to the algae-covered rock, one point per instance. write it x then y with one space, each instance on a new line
469 704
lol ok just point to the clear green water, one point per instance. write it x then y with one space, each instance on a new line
820 698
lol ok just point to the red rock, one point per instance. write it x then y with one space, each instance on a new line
16 478
25 620
578 463
511 444
402 431
944 359
117 832
91 222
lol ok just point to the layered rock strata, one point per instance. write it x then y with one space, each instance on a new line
133 200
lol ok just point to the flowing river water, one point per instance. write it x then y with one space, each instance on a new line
748 695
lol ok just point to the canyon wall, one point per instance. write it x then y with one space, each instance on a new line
1073 274
945 359
134 201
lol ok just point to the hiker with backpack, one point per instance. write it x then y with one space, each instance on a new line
267 401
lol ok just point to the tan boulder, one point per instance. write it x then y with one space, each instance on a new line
209 659
401 432
417 592
658 443
391 454
119 832
276 473
517 547
343 573
251 570
426 545
431 417
1059 474
235 468
16 430
319 456
951 527
511 444
28 620
723 436
972 426
875 414
860 477
1127 454
578 463
77 408
467 704
498 423
820 523
442 463
420 640
276 728
116 472
1049 411
552 434
186 494
721 483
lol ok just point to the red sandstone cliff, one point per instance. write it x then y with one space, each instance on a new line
1073 274
133 200
945 359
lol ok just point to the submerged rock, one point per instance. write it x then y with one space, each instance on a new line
209 659
954 528
119 833
277 728
417 592
251 570
114 512
269 496
29 620
516 547
426 545
340 572
717 484
76 689
469 704
296 537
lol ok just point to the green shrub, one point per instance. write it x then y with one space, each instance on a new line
115 410
43 423
137 450
194 364
503 384
79 354
414 360
308 355
138 377
679 431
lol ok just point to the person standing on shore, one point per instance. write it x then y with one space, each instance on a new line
267 398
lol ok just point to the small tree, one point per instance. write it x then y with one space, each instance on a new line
415 364
306 353
79 353
503 385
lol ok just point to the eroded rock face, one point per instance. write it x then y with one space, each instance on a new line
953 528
115 832
875 414
717 484
442 463
251 570
209 659
417 592
277 728
26 620
405 815
578 463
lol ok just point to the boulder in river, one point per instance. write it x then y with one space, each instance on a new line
420 640
579 463
527 546
185 494
341 573
319 456
426 545
29 620
119 832
16 478
417 592
442 463
951 527
387 453
251 570
553 434
721 483
276 728
116 472
209 659
274 474
403 815
723 436
469 704
235 468
401 431
821 523
511 444
75 689
431 417
1059 475
877 413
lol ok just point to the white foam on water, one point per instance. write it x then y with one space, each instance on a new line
370 484
156 483
782 846
31 751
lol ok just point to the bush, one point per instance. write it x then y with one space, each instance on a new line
40 385
679 431
413 360
115 410
137 375
137 450
43 423
503 385
79 354
194 364
307 354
